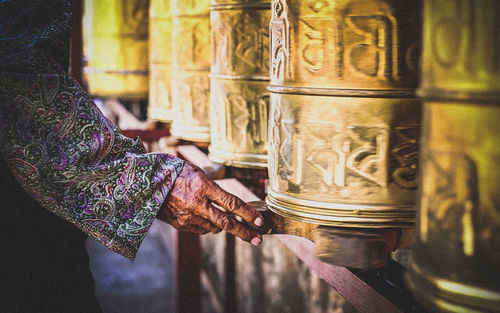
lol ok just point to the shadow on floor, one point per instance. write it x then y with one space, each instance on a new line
146 285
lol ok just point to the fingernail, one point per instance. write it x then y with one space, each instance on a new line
258 221
256 241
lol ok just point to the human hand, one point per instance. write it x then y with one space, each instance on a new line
190 207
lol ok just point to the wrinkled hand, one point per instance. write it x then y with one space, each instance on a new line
190 207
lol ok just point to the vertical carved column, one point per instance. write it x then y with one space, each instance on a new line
160 60
190 67
116 48
239 78
457 252
344 120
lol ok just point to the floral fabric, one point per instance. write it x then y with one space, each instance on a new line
60 147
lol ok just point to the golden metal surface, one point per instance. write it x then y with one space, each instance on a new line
116 48
457 251
351 45
239 99
190 68
354 248
344 121
344 161
160 61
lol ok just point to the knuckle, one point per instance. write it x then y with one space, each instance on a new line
225 222
183 221
231 202
247 235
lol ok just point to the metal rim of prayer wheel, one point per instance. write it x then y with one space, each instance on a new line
238 83
190 68
455 266
344 120
160 61
116 48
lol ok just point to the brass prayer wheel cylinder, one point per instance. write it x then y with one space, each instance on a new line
116 48
190 68
239 99
344 119
160 61
456 263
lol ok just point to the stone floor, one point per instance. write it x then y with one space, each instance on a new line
143 286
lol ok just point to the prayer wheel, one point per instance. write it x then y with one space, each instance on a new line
456 263
344 119
116 48
239 78
190 68
160 60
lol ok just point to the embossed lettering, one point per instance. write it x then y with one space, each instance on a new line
237 121
324 44
329 156
199 44
318 5
161 93
292 162
274 144
135 13
450 188
369 158
359 149
247 121
221 45
376 54
252 43
453 25
194 94
280 42
406 155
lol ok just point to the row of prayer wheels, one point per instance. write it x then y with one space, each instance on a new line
323 93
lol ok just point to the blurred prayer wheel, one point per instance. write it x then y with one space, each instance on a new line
190 68
239 99
160 58
344 119
116 48
456 264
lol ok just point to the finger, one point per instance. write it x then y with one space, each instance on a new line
235 205
204 224
227 223
194 224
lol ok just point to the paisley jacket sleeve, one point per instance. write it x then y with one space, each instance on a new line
60 147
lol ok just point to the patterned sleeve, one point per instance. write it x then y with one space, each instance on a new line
57 143
74 161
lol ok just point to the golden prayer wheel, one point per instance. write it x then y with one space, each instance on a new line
344 119
456 264
239 78
160 58
116 48
190 68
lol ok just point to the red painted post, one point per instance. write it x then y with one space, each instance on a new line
188 273
76 49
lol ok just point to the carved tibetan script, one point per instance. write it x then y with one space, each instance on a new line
364 45
246 125
336 153
241 42
450 197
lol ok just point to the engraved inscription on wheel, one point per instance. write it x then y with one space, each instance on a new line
344 119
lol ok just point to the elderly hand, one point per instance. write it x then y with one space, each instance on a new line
190 207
